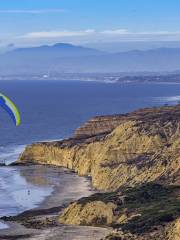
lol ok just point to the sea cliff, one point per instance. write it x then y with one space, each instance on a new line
135 159
143 147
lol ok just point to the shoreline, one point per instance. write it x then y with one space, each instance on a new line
36 222
128 82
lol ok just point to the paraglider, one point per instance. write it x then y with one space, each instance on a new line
10 108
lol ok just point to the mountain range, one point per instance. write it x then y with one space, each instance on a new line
67 58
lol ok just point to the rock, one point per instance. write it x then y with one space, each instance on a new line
173 230
106 124
98 125
145 148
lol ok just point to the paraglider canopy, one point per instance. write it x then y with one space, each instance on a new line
10 108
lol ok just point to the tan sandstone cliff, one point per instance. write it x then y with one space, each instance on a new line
145 148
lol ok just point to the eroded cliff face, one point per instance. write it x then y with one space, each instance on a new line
145 148
106 124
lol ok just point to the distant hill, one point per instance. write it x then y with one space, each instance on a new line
62 58
57 50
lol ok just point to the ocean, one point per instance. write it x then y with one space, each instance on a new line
53 110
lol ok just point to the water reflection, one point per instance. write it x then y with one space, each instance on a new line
18 194
3 226
25 187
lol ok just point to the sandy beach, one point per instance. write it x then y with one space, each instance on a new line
40 222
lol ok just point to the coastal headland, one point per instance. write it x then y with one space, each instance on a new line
134 163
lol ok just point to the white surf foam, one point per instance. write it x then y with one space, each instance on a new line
170 99
10 154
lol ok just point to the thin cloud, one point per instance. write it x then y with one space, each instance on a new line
91 35
31 11
56 34
107 34
126 32
115 32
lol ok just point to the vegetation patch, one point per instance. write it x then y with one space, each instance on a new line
146 206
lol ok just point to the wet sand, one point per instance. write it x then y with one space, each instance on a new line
62 232
40 223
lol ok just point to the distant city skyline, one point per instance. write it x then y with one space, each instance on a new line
32 22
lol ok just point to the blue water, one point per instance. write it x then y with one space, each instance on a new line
53 110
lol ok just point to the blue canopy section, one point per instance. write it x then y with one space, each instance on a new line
7 109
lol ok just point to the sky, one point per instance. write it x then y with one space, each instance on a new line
36 22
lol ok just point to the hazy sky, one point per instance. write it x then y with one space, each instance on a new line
82 21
